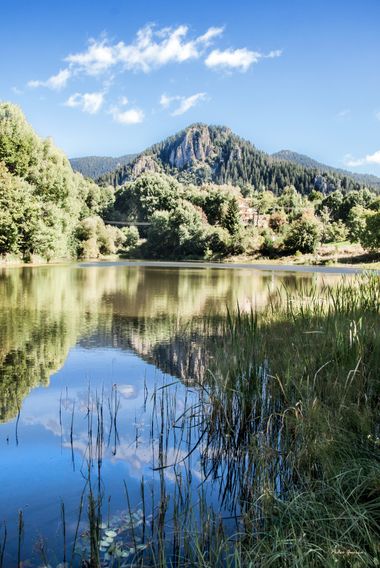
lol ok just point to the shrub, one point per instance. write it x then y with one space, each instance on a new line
277 221
178 233
131 237
269 245
356 222
304 235
370 236
219 241
89 249
334 232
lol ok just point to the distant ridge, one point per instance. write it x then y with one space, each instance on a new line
307 162
95 166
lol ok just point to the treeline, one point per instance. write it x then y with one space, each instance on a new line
47 210
212 154
189 221
185 221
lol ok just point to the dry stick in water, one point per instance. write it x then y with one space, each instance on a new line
64 530
17 422
3 544
130 515
77 526
20 536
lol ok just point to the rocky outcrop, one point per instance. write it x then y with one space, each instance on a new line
194 146
144 164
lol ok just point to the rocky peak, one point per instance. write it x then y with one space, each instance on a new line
194 146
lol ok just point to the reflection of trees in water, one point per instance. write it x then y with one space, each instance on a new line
44 311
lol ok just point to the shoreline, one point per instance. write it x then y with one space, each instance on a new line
270 266
240 264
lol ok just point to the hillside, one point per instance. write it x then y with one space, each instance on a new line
96 166
307 162
202 153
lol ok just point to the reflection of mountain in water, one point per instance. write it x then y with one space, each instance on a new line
45 311
172 346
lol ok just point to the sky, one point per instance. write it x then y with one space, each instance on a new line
113 77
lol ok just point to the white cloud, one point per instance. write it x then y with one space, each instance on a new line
97 58
87 102
123 101
370 159
186 103
273 53
211 33
239 59
56 82
377 115
132 116
17 91
165 101
149 50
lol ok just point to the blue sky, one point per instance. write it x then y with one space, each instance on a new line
113 77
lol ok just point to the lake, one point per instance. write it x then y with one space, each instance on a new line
96 362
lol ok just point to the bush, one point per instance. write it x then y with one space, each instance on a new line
356 222
89 249
370 237
334 232
304 235
178 233
131 237
219 241
95 238
269 245
277 221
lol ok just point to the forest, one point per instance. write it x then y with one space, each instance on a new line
191 192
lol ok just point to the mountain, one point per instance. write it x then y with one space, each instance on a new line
203 153
95 166
307 162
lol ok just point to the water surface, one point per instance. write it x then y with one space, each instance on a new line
74 337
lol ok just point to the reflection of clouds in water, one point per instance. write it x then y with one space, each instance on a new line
128 391
50 424
140 459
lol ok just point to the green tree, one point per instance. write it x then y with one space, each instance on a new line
178 233
232 219
304 235
356 222
370 236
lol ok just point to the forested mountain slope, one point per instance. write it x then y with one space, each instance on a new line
307 162
202 153
95 166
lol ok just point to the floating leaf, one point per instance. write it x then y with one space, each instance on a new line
141 546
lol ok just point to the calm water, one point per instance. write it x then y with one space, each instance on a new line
73 338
